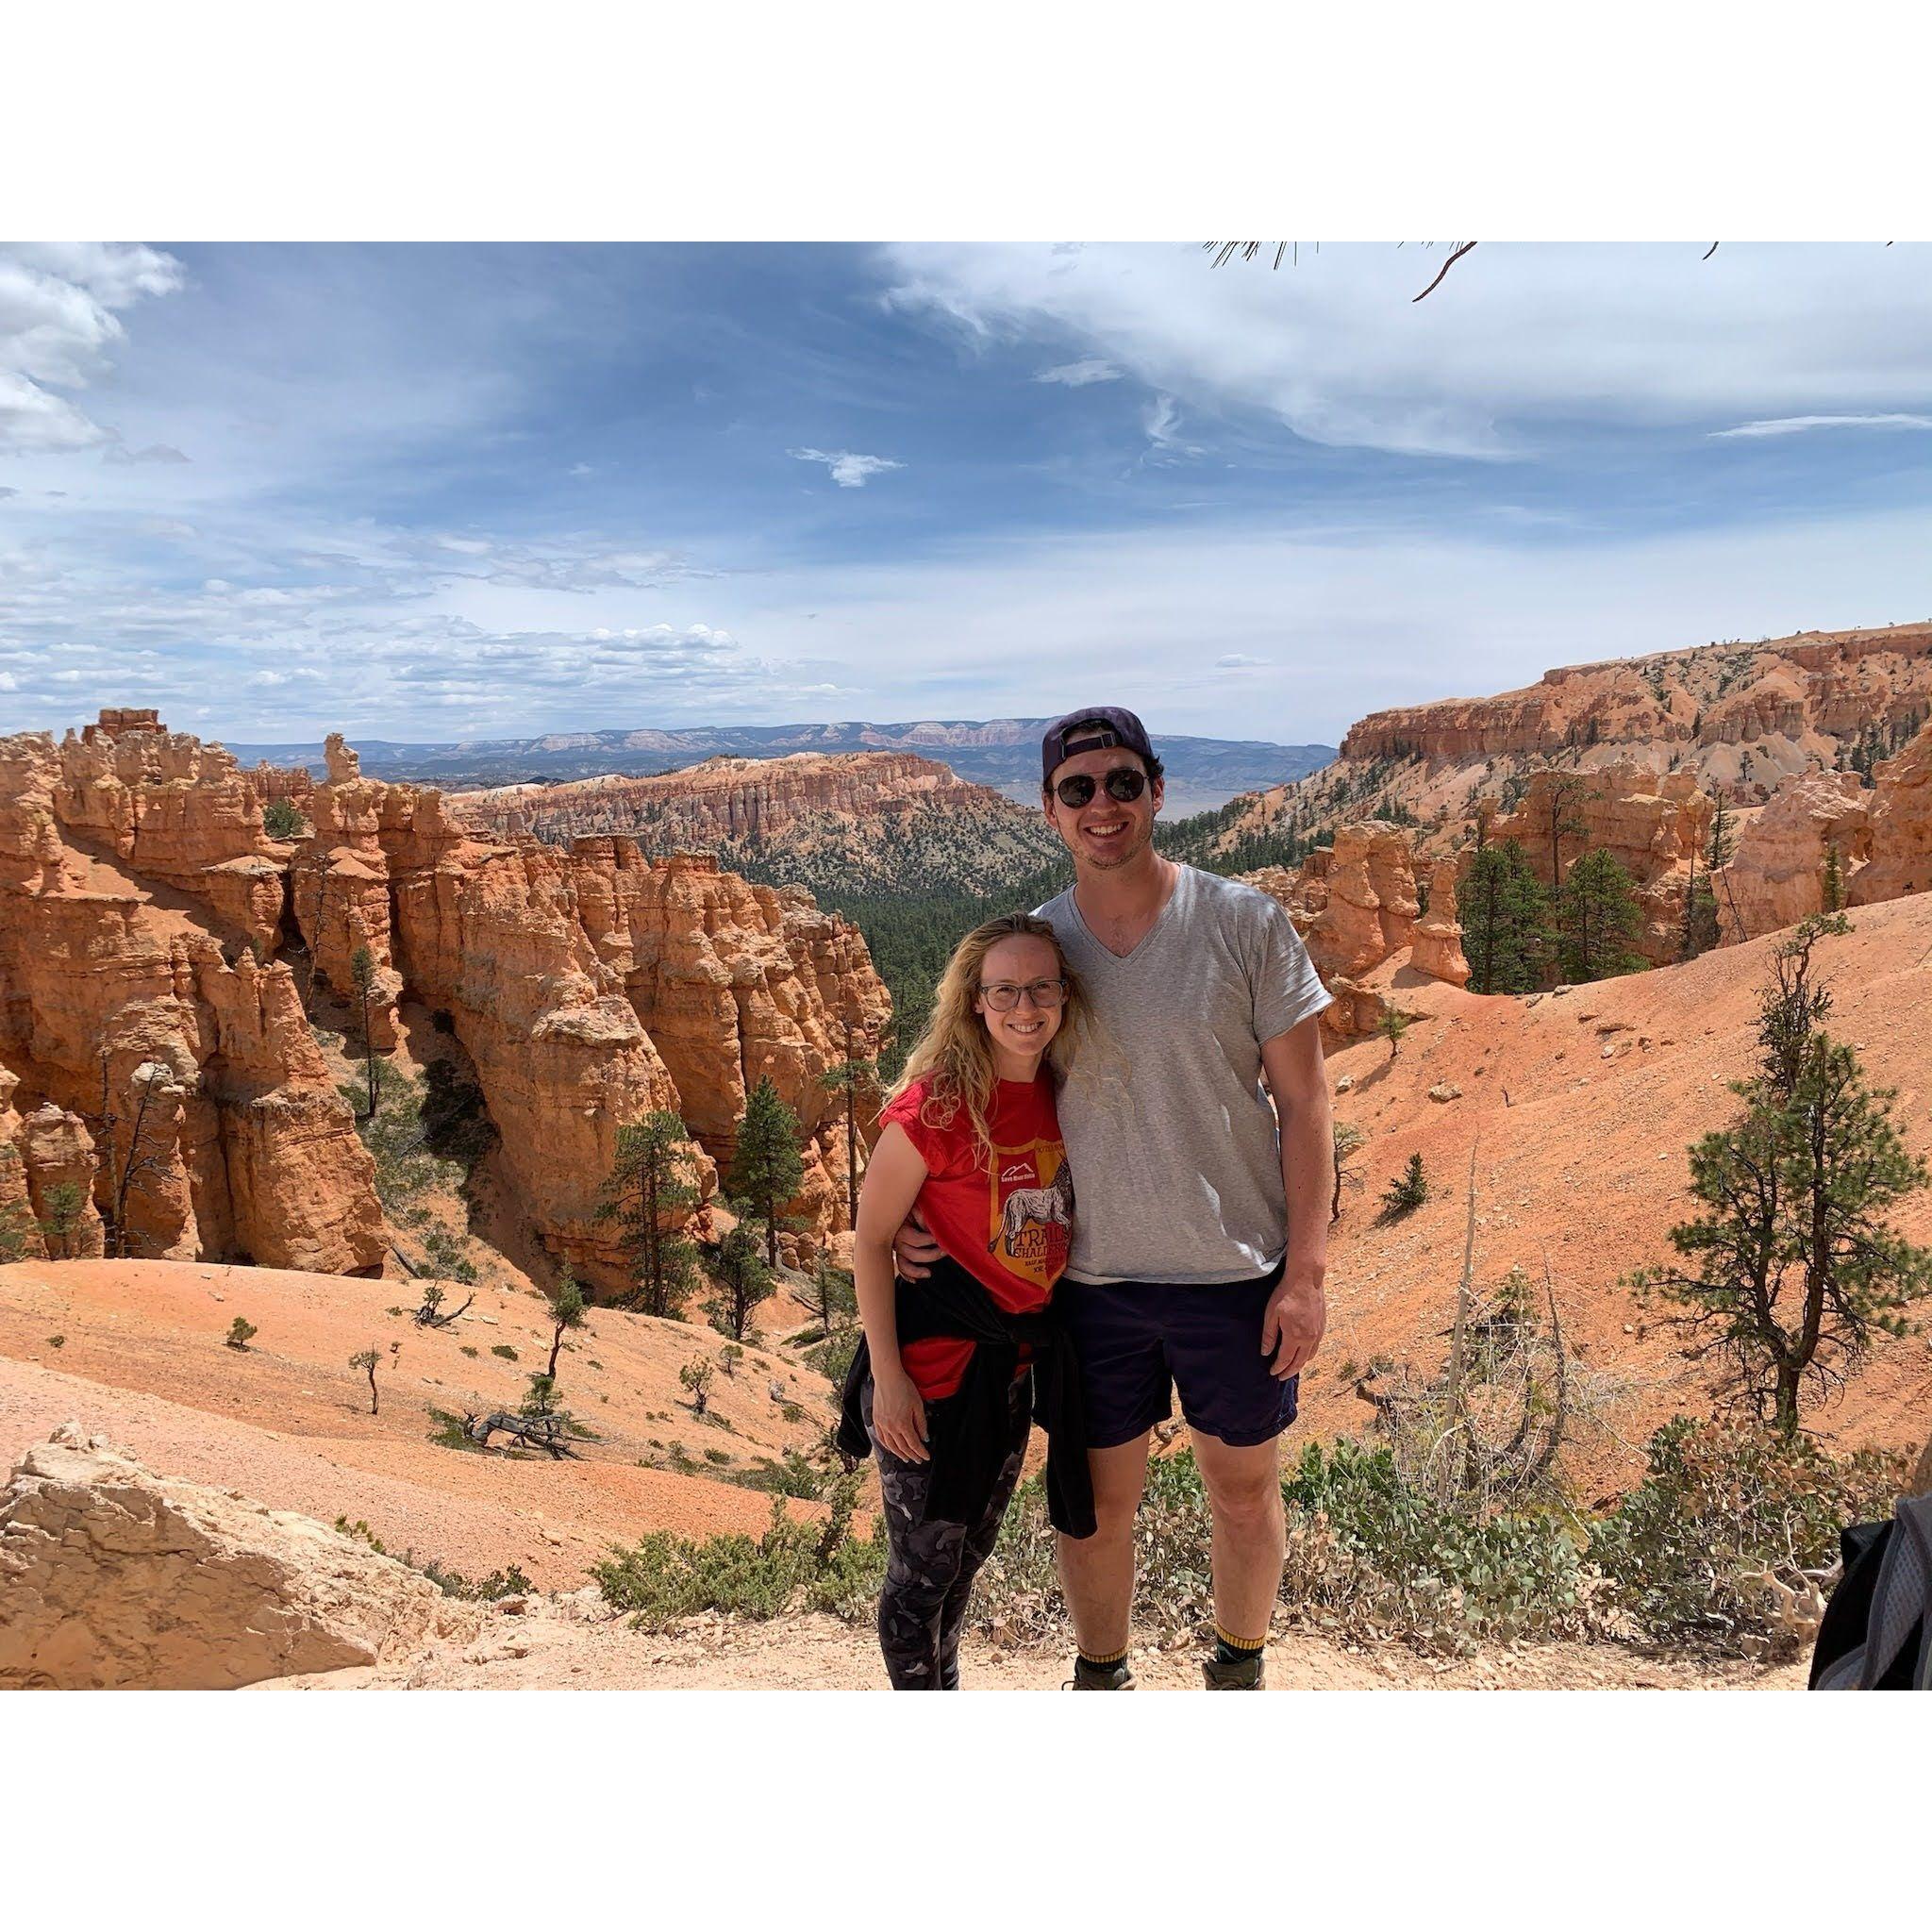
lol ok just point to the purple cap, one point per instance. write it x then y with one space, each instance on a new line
1099 728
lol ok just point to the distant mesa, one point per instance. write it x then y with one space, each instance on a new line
1000 753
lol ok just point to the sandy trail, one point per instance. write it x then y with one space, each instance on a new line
574 1643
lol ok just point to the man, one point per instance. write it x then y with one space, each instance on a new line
1201 1232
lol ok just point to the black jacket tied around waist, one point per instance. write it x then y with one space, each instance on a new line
968 1432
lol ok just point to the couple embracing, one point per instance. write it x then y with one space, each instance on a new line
1080 1201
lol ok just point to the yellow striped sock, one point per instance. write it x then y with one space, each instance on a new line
1233 1648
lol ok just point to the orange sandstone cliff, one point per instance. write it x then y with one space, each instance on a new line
157 947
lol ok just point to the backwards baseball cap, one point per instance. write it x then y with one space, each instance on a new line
1099 728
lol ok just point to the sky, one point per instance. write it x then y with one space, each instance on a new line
440 491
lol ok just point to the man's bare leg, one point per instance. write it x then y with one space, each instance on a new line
1097 1572
1250 1531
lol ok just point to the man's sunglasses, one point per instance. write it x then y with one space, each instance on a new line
1002 995
1124 783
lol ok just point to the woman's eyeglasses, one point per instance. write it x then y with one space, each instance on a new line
1003 996
1124 783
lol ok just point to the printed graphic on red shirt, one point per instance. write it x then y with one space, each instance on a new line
1032 1205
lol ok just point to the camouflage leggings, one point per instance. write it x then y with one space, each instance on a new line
930 1567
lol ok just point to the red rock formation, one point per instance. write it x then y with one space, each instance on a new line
132 908
1901 828
590 986
1651 825
1357 907
57 1153
1777 874
1435 943
1819 684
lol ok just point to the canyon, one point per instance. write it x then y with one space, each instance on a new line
177 1083
159 949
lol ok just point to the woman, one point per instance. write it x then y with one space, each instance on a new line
943 1389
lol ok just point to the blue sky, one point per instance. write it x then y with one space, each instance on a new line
453 491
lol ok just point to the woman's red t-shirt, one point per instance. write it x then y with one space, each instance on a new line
1007 1222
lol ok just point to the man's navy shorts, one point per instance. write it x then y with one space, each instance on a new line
1136 1341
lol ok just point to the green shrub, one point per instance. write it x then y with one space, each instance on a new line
808 1565
793 1476
490 1590
1405 1193
498 1584
445 1251
240 1332
1371 1554
282 819
833 1357
449 1432
465 1348
504 1350
1369 1558
1722 1505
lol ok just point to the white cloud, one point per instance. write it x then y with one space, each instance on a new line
1521 344
1794 425
1235 661
59 330
1078 375
849 471
154 452
1161 419
1340 623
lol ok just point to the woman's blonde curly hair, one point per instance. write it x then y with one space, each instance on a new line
954 1055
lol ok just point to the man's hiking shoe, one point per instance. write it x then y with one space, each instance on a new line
1111 1678
1244 1675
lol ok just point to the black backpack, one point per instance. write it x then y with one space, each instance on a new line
1878 1629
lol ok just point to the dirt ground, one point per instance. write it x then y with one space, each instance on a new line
574 1643
141 1360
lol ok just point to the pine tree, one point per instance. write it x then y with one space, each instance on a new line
1407 1193
744 1279
1393 1023
1834 880
1562 818
1597 916
767 1169
855 1079
566 1312
829 1298
1720 847
1793 1269
362 989
1504 908
696 1376
649 1185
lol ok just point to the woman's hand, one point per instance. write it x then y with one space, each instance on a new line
898 1416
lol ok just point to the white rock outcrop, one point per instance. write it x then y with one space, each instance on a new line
114 1578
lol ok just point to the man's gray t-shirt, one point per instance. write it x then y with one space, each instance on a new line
1175 1158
